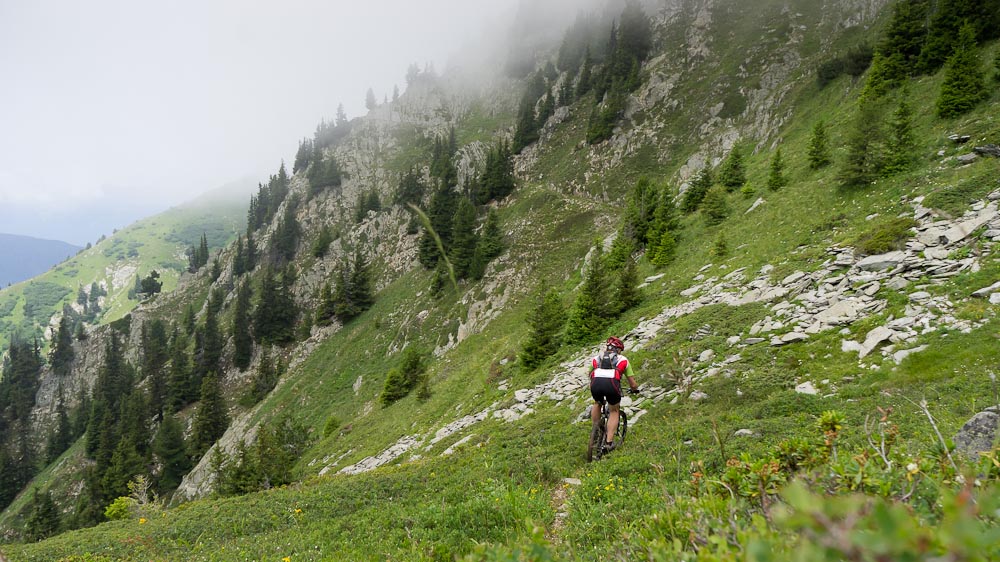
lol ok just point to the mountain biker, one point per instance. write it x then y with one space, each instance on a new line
606 372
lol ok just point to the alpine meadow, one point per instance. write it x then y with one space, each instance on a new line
788 210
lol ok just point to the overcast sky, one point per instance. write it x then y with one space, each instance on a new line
113 110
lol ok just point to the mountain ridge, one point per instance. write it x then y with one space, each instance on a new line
23 257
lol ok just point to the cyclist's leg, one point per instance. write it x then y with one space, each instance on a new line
612 421
595 412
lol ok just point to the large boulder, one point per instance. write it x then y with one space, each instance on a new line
979 433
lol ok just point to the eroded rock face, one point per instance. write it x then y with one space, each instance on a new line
979 433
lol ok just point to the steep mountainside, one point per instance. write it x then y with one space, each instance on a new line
391 363
113 264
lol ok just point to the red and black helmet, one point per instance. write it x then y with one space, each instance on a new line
615 342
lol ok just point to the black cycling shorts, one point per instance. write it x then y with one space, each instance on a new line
608 390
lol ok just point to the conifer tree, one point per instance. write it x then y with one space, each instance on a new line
171 454
776 172
265 379
286 236
818 150
441 212
410 190
665 249
546 323
239 258
732 173
327 306
62 435
464 238
274 316
901 143
626 295
155 354
323 241
62 354
697 190
640 208
584 79
179 388
590 312
964 83
944 35
43 517
864 159
490 245
715 208
211 418
242 340
251 253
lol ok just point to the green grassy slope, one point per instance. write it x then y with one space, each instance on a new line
156 243
685 486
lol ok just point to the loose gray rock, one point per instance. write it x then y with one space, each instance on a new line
988 150
978 434
806 388
967 158
881 261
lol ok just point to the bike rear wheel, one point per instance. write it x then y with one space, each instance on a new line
595 447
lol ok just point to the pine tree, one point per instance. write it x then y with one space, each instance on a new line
242 340
286 236
171 454
441 212
43 518
546 323
211 418
640 208
863 162
489 246
584 79
265 379
410 190
776 172
370 102
697 190
251 253
590 310
901 143
359 288
62 354
464 238
665 249
944 36
327 305
62 436
155 354
732 174
323 241
274 316
179 389
715 208
818 150
964 83
626 294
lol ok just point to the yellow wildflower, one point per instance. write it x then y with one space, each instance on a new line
142 520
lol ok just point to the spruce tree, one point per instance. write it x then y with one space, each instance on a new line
863 162
359 289
489 246
155 354
590 310
327 305
901 143
732 173
265 379
546 324
179 389
964 83
715 207
43 517
62 436
697 190
171 454
625 291
275 313
62 354
242 340
665 250
464 238
640 208
818 150
776 172
322 243
440 215
211 418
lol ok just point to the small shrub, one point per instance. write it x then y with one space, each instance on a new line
885 237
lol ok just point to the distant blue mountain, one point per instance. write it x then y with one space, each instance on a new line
23 257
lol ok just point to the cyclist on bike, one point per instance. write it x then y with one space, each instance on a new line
606 372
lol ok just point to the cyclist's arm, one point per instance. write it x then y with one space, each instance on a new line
629 375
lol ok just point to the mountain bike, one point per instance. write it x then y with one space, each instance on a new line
599 433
